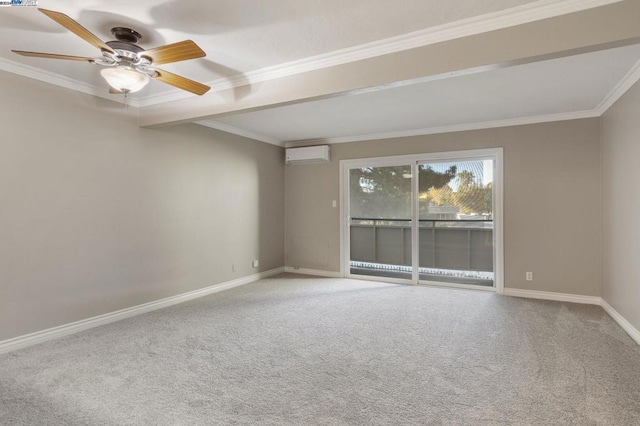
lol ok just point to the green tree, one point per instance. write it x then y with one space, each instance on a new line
380 192
430 179
472 197
441 196
434 188
385 192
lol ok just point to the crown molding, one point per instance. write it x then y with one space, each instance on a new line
240 132
631 78
60 80
541 9
524 14
510 122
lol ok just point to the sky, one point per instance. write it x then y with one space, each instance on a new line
481 169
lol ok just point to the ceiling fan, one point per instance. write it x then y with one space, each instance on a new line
129 66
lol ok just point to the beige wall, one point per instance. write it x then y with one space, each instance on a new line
97 214
551 201
621 206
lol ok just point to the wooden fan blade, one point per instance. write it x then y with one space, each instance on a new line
181 82
77 29
53 56
113 91
175 52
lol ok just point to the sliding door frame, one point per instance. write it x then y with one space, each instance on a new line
495 154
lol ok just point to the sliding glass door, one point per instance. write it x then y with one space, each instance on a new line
429 219
381 209
456 222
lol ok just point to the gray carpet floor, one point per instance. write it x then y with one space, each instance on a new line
299 350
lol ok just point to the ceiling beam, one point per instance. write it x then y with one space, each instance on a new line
564 35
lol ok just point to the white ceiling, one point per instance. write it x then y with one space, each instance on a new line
553 87
238 36
249 42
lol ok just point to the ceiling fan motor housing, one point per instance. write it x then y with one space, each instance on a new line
126 34
127 52
126 40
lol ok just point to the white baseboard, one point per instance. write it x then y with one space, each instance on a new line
626 325
75 327
316 272
548 295
633 332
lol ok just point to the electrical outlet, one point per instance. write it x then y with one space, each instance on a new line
255 263
529 276
233 267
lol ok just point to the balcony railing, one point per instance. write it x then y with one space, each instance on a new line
445 245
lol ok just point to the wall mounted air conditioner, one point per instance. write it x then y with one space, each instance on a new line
307 154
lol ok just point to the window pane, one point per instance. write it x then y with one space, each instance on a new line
456 222
380 232
381 192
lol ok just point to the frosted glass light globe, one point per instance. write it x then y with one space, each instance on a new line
125 79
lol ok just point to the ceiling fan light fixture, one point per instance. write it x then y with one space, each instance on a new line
130 63
125 79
